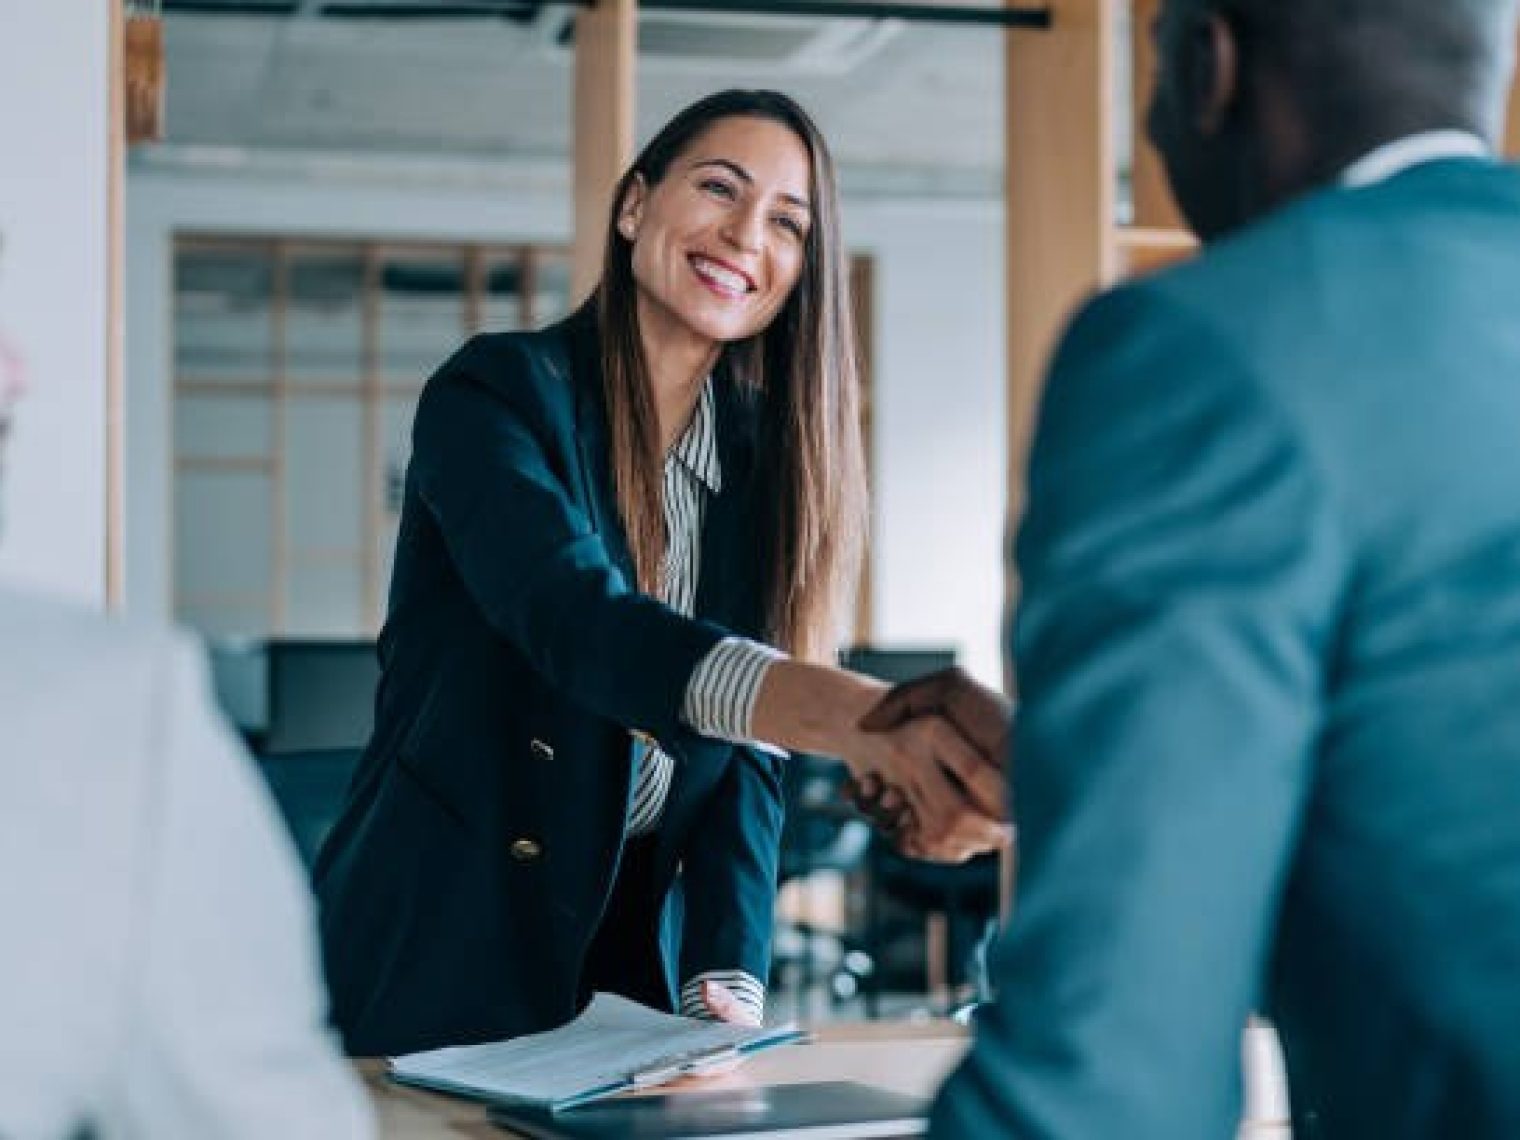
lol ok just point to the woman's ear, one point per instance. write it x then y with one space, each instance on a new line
1213 73
631 211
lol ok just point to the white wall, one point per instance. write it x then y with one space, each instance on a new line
54 200
940 429
938 355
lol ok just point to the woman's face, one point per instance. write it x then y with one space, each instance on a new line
719 242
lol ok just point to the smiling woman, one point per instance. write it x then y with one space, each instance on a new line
626 541
726 222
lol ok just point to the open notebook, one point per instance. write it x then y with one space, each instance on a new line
615 1045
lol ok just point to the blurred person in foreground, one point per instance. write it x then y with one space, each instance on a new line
1268 741
158 968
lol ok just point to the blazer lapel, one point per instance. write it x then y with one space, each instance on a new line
592 441
728 591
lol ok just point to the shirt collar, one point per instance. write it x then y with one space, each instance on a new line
697 449
1411 151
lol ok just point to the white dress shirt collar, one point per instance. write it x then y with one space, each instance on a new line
1411 151
697 449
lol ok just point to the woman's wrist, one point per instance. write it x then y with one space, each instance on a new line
813 708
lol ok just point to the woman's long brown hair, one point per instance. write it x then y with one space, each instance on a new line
804 368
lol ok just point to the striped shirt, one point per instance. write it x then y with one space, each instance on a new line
720 696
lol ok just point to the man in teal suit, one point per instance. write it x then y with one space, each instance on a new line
1267 754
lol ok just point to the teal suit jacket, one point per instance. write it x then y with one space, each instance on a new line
1268 748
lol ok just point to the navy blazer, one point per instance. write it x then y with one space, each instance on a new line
463 884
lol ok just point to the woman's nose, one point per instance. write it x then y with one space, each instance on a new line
745 229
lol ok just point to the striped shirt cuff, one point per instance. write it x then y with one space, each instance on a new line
720 697
749 992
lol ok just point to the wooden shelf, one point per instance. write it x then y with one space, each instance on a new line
224 464
1143 249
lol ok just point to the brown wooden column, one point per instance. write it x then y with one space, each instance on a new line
1061 191
605 53
1512 126
115 331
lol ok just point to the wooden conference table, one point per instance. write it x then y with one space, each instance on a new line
906 1057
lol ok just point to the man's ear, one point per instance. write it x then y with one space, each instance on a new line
1213 73
631 211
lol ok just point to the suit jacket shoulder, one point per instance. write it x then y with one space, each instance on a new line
539 371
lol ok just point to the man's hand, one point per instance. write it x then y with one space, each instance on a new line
955 793
980 716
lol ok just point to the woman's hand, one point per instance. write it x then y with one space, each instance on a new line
722 1005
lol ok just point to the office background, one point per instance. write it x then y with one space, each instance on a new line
417 133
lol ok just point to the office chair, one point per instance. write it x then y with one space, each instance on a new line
821 833
240 680
952 900
958 905
310 788
321 694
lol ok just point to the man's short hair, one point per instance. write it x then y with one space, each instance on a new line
1351 57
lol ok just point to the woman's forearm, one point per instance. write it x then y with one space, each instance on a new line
813 708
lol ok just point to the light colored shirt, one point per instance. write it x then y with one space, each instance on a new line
720 696
1410 151
159 974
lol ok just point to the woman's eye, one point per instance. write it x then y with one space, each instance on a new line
718 187
791 225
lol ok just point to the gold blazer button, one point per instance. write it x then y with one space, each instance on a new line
526 850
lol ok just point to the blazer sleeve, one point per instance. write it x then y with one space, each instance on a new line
1181 567
529 555
729 869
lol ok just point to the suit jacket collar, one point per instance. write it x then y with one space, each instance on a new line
728 590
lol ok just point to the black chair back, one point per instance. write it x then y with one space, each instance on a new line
821 832
310 788
321 694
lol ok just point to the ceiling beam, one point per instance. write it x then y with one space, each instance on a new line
992 16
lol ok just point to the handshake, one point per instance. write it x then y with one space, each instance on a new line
928 767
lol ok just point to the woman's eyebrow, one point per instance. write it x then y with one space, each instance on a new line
747 178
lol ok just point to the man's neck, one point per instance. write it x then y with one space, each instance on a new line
1336 156
1297 166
